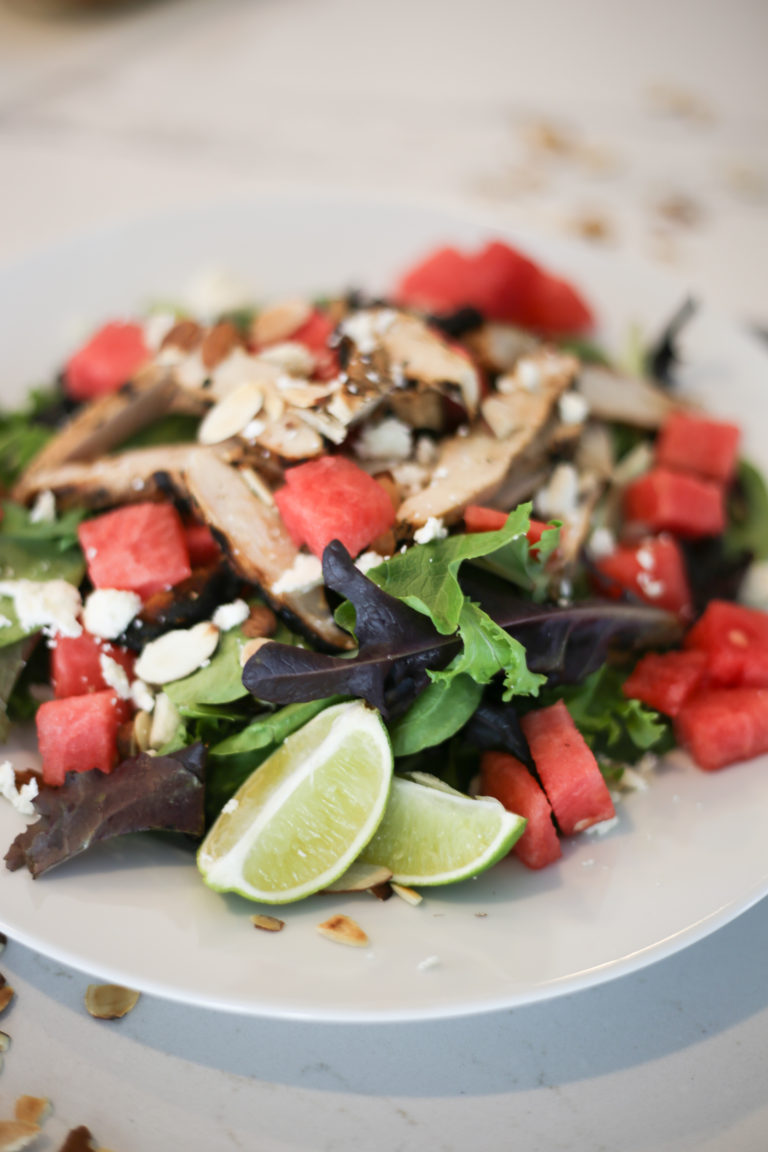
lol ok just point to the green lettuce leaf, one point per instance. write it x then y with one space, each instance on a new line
489 650
438 713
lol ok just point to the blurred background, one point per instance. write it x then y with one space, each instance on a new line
640 128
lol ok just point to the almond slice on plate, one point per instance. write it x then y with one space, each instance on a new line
343 930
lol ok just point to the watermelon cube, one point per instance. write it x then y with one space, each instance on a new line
735 640
508 780
653 570
79 733
333 499
665 680
722 726
109 359
567 769
139 548
667 501
76 664
693 443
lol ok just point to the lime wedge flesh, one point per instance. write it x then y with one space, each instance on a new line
306 812
431 834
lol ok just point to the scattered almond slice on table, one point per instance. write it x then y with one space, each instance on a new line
343 930
267 923
110 1001
17 1134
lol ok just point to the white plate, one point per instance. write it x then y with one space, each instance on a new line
688 855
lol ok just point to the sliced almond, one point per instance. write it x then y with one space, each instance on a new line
251 648
110 1001
360 877
80 1140
17 1134
410 895
142 730
218 342
258 486
267 923
343 930
261 622
185 335
280 320
165 721
32 1109
6 995
177 654
291 357
231 414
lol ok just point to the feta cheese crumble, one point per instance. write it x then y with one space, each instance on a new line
53 605
434 529
108 612
115 676
44 509
228 616
20 798
305 572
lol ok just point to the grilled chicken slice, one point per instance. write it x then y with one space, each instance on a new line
101 425
257 543
624 399
124 478
471 468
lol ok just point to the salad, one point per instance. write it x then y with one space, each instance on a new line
448 504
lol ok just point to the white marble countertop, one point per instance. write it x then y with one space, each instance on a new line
643 129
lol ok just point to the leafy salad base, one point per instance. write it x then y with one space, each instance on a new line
135 912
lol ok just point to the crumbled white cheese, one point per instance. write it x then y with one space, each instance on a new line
108 612
601 543
390 439
20 798
4 621
231 805
214 292
410 478
253 429
156 328
368 560
560 497
754 589
115 676
653 589
572 408
305 572
428 962
142 696
434 529
53 605
44 509
601 827
528 374
644 557
366 328
427 452
228 616
190 370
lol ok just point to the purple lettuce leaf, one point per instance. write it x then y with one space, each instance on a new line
145 793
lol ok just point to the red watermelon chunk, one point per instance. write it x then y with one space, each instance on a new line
315 334
694 443
76 664
107 361
138 548
653 570
666 501
665 680
202 546
735 640
501 282
79 733
508 780
567 769
722 726
333 499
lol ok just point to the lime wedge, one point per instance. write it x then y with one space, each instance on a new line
431 834
307 811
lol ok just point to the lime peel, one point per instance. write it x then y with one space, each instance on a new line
307 811
431 834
